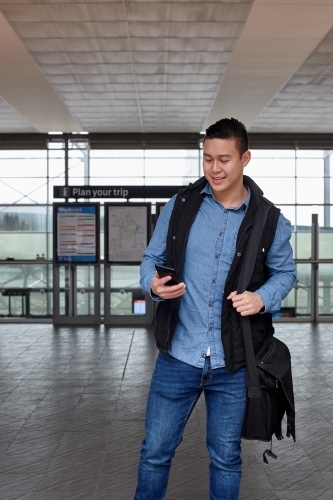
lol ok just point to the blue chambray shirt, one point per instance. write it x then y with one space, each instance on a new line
209 253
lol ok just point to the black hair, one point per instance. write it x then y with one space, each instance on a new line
229 128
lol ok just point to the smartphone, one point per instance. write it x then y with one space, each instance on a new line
163 271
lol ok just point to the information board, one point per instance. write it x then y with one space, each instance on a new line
126 232
76 233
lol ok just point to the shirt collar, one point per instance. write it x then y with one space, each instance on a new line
245 205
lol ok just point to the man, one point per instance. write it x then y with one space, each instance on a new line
202 232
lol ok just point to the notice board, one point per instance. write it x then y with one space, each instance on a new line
126 231
76 233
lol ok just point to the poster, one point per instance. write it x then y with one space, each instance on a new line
127 233
76 232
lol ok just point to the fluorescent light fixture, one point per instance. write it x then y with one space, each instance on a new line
55 133
203 132
84 133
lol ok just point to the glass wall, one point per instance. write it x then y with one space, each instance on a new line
144 167
298 181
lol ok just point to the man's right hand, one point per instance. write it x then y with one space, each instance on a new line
159 287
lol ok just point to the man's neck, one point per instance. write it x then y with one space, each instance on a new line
231 200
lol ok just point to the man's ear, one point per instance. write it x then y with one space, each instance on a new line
246 158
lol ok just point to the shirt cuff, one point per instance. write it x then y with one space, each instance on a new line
145 284
154 296
262 295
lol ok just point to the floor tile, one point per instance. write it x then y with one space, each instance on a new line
72 409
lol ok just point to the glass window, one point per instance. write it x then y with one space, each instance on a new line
56 171
127 297
298 181
280 190
273 153
85 291
23 231
270 167
310 167
325 243
310 190
181 164
325 290
303 290
310 153
117 167
304 215
303 232
23 176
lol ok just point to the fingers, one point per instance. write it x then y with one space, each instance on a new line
160 288
246 303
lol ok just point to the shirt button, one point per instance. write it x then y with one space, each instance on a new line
210 328
225 211
221 234
210 305
213 281
238 254
216 256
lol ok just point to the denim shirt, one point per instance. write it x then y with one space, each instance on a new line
209 253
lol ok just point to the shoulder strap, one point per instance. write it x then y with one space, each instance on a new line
253 385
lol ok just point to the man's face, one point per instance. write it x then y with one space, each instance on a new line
223 167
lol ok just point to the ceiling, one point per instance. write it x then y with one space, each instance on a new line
140 66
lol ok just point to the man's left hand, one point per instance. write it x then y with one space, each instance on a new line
246 303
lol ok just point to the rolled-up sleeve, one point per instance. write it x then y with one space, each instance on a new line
156 251
281 268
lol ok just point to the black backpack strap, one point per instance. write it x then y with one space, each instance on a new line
253 385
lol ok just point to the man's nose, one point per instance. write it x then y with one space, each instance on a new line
216 166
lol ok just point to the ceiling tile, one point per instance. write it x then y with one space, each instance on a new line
120 56
304 103
192 30
189 12
12 121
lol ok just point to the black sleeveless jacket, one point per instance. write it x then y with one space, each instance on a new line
185 210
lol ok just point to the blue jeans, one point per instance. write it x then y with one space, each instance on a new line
174 391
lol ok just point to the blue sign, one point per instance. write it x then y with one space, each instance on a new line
76 233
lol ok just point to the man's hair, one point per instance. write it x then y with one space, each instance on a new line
229 128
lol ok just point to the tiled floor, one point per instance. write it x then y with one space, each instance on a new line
72 404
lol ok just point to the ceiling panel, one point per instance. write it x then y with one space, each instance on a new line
277 39
163 66
143 47
12 120
162 58
306 101
186 12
